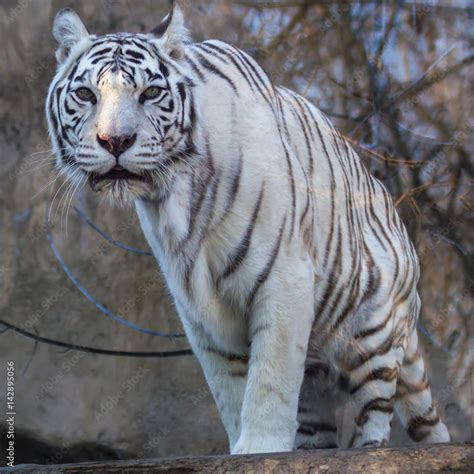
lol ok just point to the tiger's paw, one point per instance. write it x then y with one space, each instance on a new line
261 443
374 443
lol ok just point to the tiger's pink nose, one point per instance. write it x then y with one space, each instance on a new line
116 145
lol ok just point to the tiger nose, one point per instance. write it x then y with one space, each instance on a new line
116 145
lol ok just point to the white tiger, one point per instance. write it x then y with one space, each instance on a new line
293 276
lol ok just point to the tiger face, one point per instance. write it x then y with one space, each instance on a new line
120 108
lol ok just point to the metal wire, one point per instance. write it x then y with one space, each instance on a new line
82 215
423 330
101 307
93 350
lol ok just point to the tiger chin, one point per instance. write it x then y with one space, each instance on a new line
293 276
121 187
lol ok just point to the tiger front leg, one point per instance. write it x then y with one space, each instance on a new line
226 375
280 326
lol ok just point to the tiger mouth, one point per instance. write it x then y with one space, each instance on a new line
115 174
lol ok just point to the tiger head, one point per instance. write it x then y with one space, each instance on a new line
120 109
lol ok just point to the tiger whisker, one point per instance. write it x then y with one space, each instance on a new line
64 199
80 184
54 198
39 167
50 182
60 206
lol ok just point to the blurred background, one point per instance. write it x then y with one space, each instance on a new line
394 76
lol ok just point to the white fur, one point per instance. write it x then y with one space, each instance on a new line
69 31
254 347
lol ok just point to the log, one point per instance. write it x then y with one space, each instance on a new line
434 458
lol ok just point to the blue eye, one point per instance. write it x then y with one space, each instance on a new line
85 94
151 93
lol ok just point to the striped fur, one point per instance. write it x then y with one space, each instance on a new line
292 273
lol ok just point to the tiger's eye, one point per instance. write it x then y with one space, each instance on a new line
83 93
151 93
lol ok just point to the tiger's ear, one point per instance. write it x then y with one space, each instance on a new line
68 30
171 34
